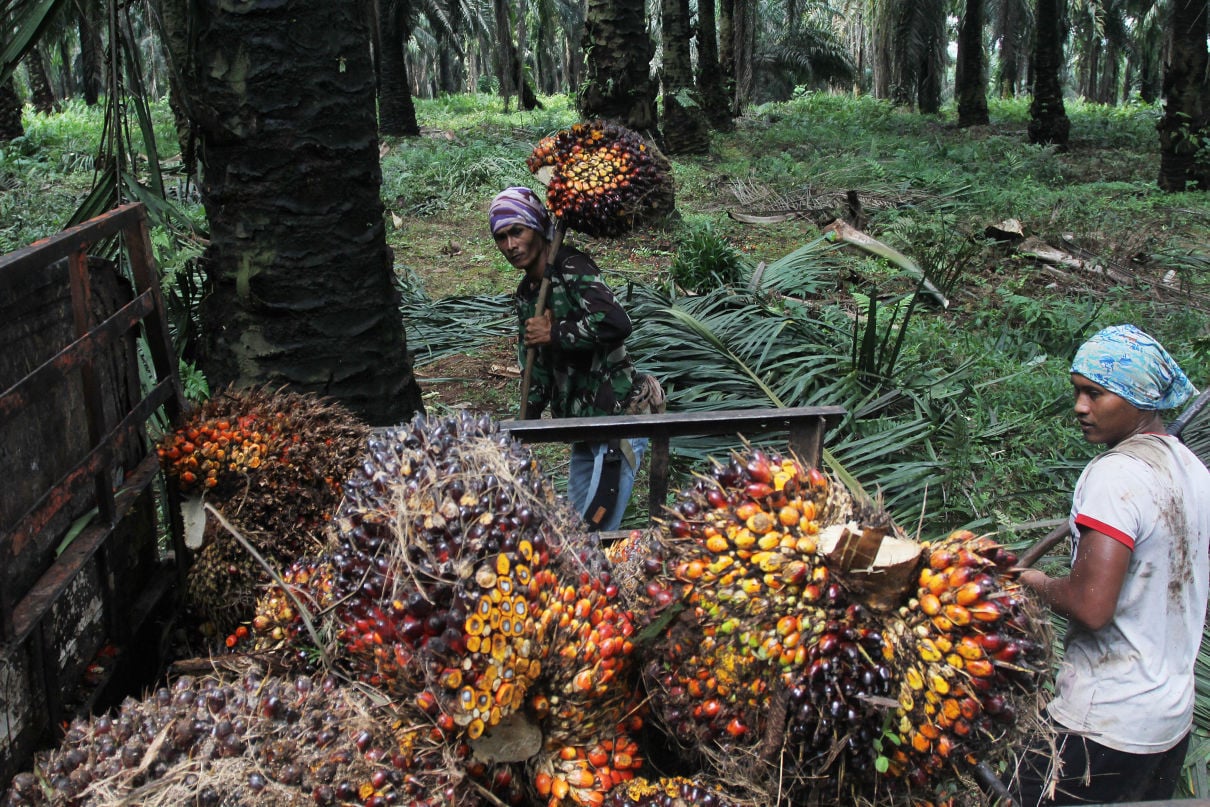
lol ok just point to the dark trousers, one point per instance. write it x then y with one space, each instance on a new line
1112 776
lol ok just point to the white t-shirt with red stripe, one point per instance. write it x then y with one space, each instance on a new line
1129 685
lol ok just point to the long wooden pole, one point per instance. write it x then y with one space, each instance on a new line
531 354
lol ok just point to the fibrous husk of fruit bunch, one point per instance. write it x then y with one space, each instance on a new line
249 740
456 579
601 178
792 656
272 463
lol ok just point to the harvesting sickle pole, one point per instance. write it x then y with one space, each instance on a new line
531 354
1031 556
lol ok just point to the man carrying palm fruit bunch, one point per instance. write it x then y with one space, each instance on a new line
581 366
1135 599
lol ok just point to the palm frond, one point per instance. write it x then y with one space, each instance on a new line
808 271
446 327
30 20
813 54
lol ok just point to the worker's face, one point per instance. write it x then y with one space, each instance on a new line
1104 416
523 247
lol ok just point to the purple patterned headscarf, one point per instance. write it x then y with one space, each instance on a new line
1129 363
522 206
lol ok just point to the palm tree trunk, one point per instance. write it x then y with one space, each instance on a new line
547 49
710 90
10 111
914 33
42 95
92 52
396 109
1011 26
1148 43
508 62
726 49
449 65
931 70
574 54
303 289
744 22
1048 122
67 83
971 82
686 130
1090 75
1183 129
618 83
1111 74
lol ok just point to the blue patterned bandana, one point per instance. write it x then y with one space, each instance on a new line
522 206
1129 363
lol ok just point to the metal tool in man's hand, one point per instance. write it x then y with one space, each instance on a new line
1031 556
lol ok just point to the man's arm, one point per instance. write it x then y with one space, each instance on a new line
1089 594
594 315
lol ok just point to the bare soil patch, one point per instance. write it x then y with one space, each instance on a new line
486 380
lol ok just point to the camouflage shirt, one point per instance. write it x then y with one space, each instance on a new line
585 370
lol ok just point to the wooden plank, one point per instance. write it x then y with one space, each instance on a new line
72 240
40 514
805 425
87 348
657 486
159 340
30 610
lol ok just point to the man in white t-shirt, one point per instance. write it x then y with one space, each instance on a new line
1135 598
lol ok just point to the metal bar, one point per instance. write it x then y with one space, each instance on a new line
657 486
1191 411
159 340
83 350
94 410
672 424
72 240
37 603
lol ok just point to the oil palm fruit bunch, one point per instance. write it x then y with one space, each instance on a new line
803 642
836 710
272 462
743 555
602 177
588 704
637 561
669 791
246 739
437 573
972 649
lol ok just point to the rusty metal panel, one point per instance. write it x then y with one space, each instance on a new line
81 571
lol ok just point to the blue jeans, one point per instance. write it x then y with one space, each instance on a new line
585 473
